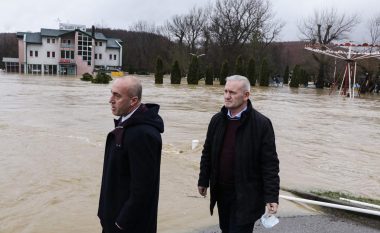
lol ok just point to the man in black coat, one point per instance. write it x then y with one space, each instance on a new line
239 161
131 171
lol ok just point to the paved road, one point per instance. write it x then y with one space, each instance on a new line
300 218
313 224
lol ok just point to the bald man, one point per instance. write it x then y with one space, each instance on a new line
131 171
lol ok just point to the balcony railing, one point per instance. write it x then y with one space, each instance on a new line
66 45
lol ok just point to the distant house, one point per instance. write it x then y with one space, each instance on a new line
69 50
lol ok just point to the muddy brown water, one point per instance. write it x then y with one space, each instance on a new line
52 133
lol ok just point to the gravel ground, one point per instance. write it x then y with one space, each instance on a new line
314 224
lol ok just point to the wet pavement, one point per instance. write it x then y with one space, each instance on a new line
311 224
301 218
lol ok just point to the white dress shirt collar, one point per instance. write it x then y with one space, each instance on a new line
237 116
124 118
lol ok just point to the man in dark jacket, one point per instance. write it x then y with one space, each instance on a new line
239 161
131 171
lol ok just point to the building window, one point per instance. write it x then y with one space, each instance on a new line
114 56
48 54
53 40
36 53
68 41
96 56
110 56
96 43
31 53
48 40
50 69
100 56
12 67
100 43
53 53
34 69
67 54
85 47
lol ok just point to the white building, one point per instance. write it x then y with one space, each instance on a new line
70 50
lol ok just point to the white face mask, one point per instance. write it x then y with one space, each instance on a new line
269 220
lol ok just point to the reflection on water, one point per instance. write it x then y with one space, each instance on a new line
53 129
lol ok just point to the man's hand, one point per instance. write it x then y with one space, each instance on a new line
272 208
202 191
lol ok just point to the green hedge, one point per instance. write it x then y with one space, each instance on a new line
101 78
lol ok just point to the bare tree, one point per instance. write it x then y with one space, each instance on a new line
327 25
374 29
235 23
206 39
370 67
195 22
271 29
144 26
322 28
268 30
188 28
177 27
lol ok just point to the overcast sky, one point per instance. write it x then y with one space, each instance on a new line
31 15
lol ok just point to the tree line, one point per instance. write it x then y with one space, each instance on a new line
246 30
231 37
8 46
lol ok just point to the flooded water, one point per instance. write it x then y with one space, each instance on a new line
53 129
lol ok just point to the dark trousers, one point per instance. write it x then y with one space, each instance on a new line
110 227
226 202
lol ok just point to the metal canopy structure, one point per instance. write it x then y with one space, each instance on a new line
350 53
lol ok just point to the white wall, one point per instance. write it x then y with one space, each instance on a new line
51 48
42 52
100 50
55 47
105 61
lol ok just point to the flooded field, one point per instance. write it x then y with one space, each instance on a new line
53 130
